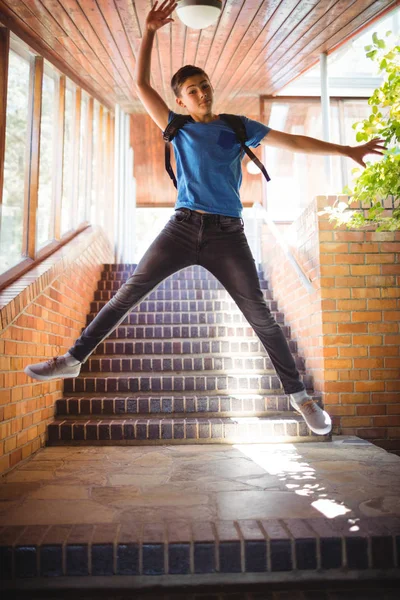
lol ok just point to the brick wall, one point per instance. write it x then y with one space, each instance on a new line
348 328
41 314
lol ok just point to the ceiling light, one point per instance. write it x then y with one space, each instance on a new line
199 14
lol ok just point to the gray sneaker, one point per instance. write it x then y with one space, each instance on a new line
55 368
317 419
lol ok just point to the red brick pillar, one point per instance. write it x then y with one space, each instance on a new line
348 328
360 277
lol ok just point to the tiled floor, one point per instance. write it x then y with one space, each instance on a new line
68 485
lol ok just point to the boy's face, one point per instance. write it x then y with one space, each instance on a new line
196 95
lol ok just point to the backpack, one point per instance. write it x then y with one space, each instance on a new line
234 122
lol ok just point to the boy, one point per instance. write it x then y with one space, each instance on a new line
206 228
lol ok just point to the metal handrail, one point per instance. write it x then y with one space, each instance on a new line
262 213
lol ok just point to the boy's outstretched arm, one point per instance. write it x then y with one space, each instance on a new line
309 145
151 100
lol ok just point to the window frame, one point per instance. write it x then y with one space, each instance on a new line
32 156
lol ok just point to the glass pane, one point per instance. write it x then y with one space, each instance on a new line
12 215
45 213
296 178
350 72
353 111
99 171
68 160
350 60
82 160
93 197
103 172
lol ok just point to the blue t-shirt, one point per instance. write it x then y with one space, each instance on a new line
208 163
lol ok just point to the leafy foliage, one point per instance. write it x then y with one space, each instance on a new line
379 180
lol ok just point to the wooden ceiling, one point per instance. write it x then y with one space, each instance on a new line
256 47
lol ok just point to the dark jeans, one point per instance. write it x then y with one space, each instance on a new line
219 244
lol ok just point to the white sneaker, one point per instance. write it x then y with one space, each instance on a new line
59 367
317 419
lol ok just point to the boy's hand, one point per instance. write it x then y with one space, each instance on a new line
157 18
374 146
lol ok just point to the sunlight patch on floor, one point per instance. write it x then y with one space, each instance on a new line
284 461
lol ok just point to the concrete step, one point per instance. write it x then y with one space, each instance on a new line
179 285
160 363
188 273
187 318
290 550
193 306
197 381
121 430
186 331
244 346
177 406
129 267
176 283
177 296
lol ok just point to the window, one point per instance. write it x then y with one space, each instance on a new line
296 178
12 243
351 111
58 159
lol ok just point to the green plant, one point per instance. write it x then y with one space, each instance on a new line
379 180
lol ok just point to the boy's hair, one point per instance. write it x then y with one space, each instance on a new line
184 73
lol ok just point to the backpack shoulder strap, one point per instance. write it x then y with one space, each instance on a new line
174 125
236 123
168 134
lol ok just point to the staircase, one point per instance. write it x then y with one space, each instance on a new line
183 367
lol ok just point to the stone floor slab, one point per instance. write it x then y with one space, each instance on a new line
233 482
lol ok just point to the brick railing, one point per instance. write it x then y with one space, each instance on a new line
347 327
41 314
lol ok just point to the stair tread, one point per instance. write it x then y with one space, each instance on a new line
156 394
287 416
188 312
158 355
243 395
220 338
164 373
